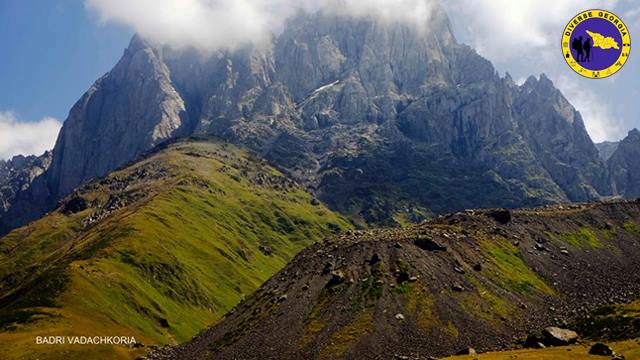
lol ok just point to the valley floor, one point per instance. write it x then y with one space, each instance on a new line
630 349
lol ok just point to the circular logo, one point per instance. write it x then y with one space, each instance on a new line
596 43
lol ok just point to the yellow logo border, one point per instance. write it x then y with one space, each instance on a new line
596 14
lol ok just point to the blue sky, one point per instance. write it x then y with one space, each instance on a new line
52 51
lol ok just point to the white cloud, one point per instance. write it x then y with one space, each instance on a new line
509 29
214 24
26 138
601 123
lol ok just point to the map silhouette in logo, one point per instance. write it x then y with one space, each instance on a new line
596 43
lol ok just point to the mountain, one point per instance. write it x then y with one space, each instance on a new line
382 121
607 148
624 165
157 250
18 173
480 279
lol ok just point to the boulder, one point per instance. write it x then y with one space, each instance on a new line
534 341
467 351
601 349
555 336
337 278
502 216
75 205
429 244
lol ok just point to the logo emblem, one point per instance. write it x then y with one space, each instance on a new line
596 43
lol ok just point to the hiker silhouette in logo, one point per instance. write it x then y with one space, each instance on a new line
577 46
587 49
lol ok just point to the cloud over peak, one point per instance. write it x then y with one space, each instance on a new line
228 24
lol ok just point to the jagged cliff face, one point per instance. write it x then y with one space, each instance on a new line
607 148
131 109
380 120
17 174
624 165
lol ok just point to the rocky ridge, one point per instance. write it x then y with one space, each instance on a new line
623 165
17 174
485 280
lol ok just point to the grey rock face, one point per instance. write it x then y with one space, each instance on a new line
380 120
18 173
607 148
624 166
555 132
129 110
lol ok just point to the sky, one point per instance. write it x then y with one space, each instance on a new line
52 51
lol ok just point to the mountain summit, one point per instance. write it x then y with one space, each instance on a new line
382 121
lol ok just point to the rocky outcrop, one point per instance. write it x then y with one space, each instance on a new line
17 174
128 111
607 148
556 134
624 166
392 298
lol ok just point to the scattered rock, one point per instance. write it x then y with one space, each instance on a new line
540 247
413 279
265 250
477 267
282 298
457 287
503 216
164 323
458 270
555 336
467 351
399 316
315 202
337 278
429 245
564 252
327 268
75 205
601 349
534 341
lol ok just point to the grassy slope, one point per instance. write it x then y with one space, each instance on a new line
162 268
616 325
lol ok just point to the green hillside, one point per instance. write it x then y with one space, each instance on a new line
158 250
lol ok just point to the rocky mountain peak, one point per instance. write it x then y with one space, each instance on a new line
17 174
624 165
127 111
377 117
633 135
